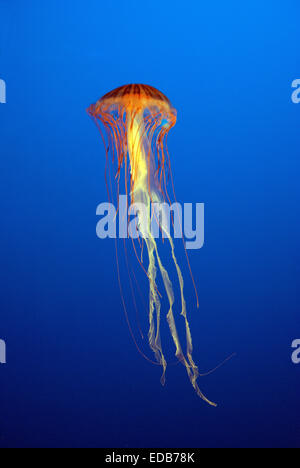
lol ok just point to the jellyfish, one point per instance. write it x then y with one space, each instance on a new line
137 119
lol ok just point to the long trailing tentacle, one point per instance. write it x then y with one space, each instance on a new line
138 142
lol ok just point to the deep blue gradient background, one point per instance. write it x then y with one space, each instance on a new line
73 377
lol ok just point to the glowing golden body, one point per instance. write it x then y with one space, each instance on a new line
134 116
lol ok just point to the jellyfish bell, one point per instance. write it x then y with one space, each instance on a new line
134 98
133 103
137 119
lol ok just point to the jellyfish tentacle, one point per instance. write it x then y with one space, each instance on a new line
137 120
192 369
140 195
194 374
155 305
190 366
140 157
